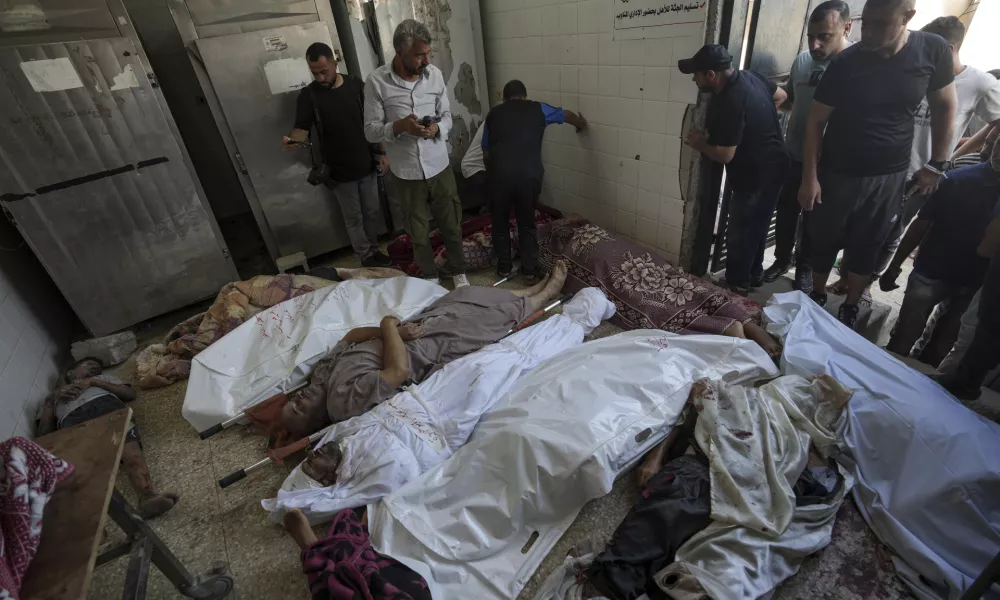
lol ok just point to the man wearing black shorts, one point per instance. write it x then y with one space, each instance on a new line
866 104
89 394
745 135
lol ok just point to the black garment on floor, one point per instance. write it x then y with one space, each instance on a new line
674 506
521 194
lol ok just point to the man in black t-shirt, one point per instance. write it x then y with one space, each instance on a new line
744 134
866 103
338 100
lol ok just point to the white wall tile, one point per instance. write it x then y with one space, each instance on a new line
551 50
609 50
570 101
675 118
625 223
553 177
603 138
686 91
659 53
685 47
588 49
647 204
609 110
631 82
567 18
630 113
605 21
669 238
588 186
634 52
569 79
651 179
653 147
627 198
548 78
672 152
629 172
550 20
569 49
609 80
607 192
654 116
586 16
589 82
671 183
532 21
646 230
608 167
571 182
629 143
589 103
656 83
671 212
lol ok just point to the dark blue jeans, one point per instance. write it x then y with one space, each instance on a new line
749 219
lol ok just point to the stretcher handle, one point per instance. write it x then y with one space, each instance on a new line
232 478
214 429
539 313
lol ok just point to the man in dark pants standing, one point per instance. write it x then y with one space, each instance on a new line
512 143
338 100
829 26
869 96
744 134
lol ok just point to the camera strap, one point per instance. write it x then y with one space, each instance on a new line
318 159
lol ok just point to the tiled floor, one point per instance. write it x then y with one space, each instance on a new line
211 525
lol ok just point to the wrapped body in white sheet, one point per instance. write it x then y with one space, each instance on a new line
420 427
927 467
556 441
276 349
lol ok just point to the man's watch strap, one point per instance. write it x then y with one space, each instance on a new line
939 166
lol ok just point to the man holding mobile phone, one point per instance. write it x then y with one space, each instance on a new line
336 101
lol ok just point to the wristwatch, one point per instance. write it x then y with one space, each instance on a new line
938 166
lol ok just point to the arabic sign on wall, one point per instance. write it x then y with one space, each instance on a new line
658 18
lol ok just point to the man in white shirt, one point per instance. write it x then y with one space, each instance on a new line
978 96
407 109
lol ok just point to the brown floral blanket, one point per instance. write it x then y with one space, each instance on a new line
169 361
648 292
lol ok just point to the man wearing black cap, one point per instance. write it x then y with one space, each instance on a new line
863 117
744 134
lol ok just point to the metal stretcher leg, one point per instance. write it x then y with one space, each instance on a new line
147 547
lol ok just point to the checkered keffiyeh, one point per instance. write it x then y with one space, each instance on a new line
28 474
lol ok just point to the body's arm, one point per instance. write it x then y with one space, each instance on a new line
47 423
395 362
780 95
809 192
974 143
576 120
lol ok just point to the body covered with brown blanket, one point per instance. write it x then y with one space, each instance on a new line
169 361
648 292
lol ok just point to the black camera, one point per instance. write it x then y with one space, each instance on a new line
320 175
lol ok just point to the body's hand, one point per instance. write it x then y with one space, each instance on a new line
68 393
696 139
887 282
383 164
431 131
389 321
290 143
410 331
809 194
926 181
411 125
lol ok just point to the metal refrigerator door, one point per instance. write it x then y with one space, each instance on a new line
98 185
303 218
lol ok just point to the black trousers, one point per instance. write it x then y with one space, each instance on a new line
786 224
521 195
749 219
984 351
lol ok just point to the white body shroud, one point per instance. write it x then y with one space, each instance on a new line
927 467
422 426
276 349
557 440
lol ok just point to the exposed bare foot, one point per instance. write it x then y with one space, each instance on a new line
531 291
157 504
552 288
297 526
839 288
764 339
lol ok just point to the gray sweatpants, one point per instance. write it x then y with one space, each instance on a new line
359 205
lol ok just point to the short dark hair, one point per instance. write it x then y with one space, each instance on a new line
821 12
318 50
514 89
950 28
995 73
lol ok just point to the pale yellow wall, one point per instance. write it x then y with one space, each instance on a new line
928 10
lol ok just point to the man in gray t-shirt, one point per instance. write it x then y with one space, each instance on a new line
829 26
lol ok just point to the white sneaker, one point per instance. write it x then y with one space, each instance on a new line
460 281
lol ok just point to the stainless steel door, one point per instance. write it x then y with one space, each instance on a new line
98 186
242 67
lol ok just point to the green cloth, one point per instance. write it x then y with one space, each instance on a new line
439 194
